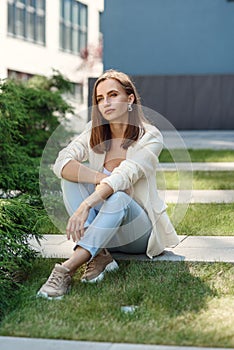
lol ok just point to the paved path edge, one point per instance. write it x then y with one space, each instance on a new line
9 343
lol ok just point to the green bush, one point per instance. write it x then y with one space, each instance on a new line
17 218
20 219
29 113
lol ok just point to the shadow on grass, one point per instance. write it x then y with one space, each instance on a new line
170 286
163 292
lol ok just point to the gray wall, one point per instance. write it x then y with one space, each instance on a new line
189 102
180 54
154 37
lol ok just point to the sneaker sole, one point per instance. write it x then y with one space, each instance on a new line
46 296
110 267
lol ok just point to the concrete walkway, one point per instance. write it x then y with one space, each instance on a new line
204 139
197 166
197 196
191 248
8 343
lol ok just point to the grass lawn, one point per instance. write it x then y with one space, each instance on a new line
197 155
205 219
178 304
201 180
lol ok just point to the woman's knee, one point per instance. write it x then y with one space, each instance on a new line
117 201
118 196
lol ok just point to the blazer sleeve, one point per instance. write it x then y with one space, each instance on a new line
77 149
141 161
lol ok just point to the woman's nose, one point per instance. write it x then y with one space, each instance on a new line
106 101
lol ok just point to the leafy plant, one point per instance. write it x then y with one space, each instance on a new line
29 113
20 219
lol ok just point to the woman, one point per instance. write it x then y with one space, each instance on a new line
112 202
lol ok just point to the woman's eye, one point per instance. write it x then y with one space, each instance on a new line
113 94
99 99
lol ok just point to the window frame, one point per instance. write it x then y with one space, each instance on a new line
18 75
70 29
27 10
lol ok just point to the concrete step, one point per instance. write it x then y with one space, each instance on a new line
196 166
197 196
191 248
199 139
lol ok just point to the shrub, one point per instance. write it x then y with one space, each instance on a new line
29 113
20 219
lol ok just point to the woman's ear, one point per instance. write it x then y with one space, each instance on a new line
131 98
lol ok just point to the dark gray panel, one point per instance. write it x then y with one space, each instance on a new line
189 102
227 102
207 107
152 91
179 101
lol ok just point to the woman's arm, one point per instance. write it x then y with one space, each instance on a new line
76 172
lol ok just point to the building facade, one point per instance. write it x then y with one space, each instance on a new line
180 54
39 36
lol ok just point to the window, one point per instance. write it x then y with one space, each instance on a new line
26 20
73 26
76 95
100 27
12 74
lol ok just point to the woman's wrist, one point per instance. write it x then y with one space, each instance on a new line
100 177
86 204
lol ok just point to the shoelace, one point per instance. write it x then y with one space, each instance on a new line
90 266
55 279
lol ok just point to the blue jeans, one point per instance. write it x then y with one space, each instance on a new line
119 223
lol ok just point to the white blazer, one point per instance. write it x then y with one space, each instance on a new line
137 171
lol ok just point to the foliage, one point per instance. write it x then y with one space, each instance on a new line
17 218
20 219
29 113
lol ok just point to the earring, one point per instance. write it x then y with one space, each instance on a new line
129 107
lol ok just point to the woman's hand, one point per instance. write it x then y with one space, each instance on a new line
75 225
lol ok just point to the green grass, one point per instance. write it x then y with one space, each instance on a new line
178 304
185 304
201 180
205 219
198 155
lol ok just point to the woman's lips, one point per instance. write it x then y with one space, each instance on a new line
108 111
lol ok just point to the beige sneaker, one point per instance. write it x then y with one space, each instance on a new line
97 267
57 284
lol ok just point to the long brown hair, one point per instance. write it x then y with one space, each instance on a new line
100 140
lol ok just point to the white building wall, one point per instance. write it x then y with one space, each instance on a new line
23 56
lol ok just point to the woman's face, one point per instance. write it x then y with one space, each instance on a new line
113 100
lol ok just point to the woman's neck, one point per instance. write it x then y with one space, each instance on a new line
118 130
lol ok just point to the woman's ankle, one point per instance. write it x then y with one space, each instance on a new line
79 257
